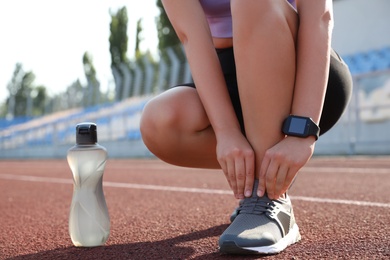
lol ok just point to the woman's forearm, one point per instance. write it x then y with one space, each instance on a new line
211 87
188 19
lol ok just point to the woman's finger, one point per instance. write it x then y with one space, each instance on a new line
262 174
270 179
231 176
280 182
240 174
249 175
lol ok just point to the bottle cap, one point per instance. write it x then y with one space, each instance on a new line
86 133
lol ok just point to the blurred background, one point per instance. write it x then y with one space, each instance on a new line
66 62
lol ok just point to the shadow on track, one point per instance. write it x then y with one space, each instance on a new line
172 248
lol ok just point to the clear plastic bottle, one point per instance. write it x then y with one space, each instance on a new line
89 222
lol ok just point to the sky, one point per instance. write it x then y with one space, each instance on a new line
50 37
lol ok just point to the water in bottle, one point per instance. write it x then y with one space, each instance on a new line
89 222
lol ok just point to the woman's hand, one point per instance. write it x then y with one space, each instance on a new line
237 160
281 164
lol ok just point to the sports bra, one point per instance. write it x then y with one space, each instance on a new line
219 17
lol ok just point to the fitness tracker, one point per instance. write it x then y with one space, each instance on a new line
300 126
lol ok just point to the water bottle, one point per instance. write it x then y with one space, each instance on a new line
89 222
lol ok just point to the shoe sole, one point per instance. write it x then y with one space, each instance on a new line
230 247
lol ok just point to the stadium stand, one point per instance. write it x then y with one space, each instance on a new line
4 122
116 121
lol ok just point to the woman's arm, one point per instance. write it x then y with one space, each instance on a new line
234 153
313 55
190 24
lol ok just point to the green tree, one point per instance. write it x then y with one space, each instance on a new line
138 38
118 46
25 99
19 90
166 34
3 109
167 38
118 37
93 94
75 94
39 97
141 58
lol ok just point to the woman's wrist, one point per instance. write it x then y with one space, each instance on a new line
227 131
309 140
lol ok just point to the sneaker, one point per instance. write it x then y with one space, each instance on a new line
235 211
261 226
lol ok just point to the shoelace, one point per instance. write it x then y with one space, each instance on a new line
257 205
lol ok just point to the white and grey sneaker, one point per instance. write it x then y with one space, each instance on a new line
260 226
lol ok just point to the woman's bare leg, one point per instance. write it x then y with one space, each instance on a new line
264 35
176 129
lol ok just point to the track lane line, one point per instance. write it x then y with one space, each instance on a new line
185 189
346 170
316 169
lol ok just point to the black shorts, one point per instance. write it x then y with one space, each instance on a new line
337 96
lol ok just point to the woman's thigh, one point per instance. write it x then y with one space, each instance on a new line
175 127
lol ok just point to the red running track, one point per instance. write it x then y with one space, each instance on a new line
159 211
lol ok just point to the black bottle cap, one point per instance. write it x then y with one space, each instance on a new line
86 133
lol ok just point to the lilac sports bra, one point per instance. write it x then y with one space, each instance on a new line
219 17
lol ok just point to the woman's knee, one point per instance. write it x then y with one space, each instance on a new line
158 118
276 15
173 115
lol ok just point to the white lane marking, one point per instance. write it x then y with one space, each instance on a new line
34 179
165 188
319 169
347 202
346 170
184 189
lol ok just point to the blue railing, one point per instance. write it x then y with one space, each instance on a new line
370 61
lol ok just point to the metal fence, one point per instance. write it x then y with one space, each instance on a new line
363 129
147 77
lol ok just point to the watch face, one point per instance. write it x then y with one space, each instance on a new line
297 125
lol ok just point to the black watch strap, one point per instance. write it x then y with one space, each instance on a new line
300 126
